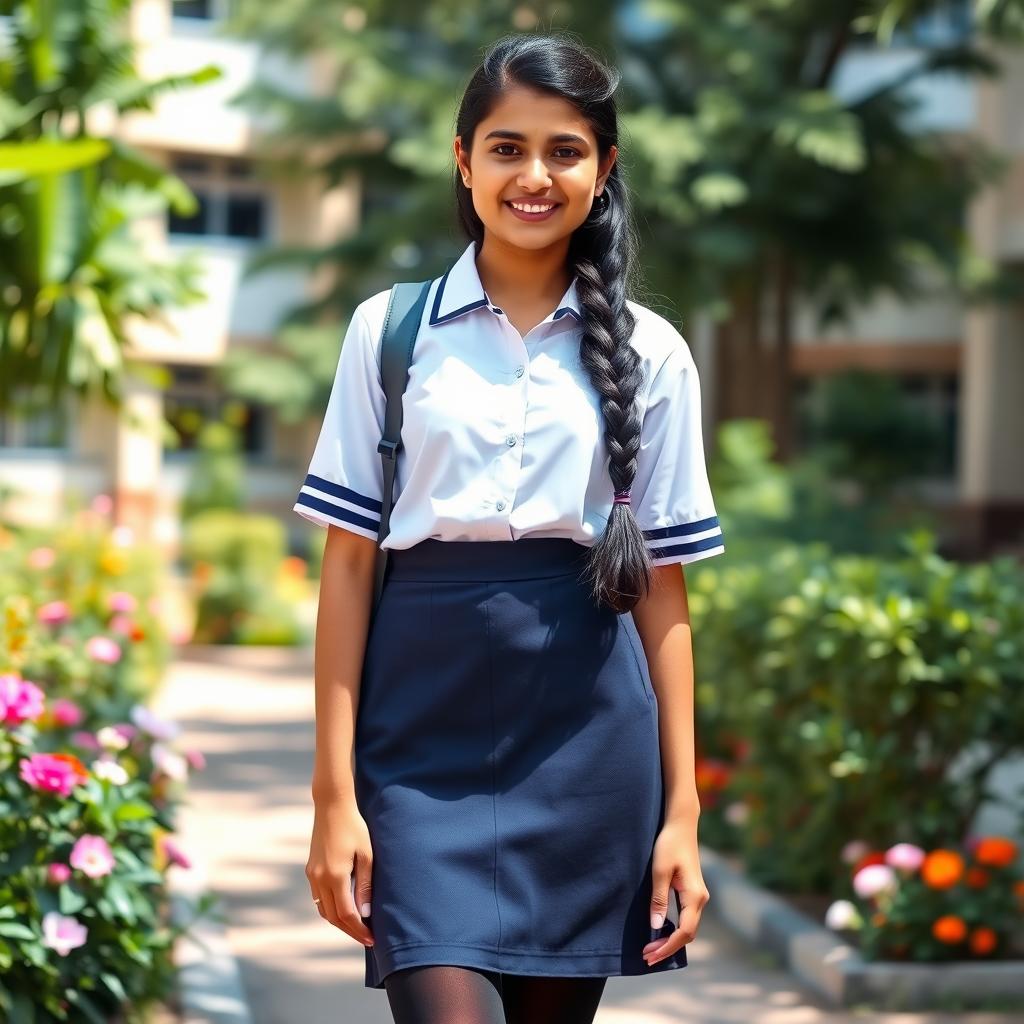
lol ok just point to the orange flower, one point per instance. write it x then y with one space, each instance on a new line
996 852
950 929
942 869
294 566
711 774
878 919
982 940
976 878
1018 891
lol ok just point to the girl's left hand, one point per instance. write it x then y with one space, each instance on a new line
676 865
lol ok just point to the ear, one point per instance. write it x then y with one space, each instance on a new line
461 160
606 168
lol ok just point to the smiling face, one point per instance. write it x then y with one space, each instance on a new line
535 150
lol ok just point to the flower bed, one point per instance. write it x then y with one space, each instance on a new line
846 698
89 779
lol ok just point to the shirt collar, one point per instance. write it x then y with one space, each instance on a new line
459 291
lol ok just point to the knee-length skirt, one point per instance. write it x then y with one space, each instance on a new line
507 765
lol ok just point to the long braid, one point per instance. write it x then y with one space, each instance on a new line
618 565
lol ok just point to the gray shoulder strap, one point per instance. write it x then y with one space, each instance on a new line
398 337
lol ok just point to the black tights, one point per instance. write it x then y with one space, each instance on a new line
446 994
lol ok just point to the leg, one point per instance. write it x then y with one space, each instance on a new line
445 994
530 999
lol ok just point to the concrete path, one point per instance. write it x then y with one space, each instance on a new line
250 711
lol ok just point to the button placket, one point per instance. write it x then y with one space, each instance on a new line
508 472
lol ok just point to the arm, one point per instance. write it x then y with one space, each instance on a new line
340 865
663 621
342 624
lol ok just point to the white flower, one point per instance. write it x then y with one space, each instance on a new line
737 813
112 771
111 739
842 914
170 762
874 879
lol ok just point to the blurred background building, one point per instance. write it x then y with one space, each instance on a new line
963 367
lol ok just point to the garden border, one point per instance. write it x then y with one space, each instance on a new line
835 969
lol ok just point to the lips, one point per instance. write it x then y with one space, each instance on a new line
524 215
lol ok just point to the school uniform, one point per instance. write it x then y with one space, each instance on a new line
506 750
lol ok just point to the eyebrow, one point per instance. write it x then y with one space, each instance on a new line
504 133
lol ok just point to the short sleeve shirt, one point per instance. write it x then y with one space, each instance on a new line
502 434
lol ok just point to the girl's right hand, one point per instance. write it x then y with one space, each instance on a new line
338 851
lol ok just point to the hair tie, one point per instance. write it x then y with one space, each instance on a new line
621 497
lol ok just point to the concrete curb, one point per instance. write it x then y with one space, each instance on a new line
837 971
210 988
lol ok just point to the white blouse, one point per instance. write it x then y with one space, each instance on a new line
502 435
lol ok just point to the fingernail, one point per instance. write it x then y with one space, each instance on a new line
657 920
365 910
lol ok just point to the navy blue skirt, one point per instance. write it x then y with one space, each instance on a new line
508 768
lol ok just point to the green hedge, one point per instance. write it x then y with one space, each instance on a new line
853 697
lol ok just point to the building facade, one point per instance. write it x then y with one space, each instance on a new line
964 366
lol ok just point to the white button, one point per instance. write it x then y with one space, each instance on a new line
500 506
519 371
510 440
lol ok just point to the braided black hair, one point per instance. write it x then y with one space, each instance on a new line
602 256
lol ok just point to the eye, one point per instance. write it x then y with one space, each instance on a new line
561 149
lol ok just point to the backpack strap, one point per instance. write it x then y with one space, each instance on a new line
401 324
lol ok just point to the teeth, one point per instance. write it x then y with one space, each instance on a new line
532 208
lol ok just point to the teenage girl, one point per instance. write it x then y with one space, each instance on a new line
503 780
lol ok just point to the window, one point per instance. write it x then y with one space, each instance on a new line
232 200
193 9
195 397
42 428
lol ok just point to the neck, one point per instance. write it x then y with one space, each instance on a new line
530 275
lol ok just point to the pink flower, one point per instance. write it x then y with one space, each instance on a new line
61 933
92 856
195 758
86 739
122 601
873 879
65 712
41 558
20 700
102 504
157 727
904 856
54 773
174 853
122 625
102 648
853 851
57 873
53 613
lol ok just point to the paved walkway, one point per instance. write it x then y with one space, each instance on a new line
251 713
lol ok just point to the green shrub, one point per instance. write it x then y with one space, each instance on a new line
237 561
868 698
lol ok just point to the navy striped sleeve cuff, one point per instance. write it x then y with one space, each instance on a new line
686 542
324 502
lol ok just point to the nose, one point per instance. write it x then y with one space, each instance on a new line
534 176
